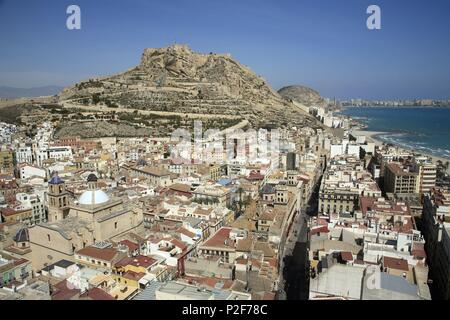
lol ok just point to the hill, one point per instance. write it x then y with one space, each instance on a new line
301 94
176 79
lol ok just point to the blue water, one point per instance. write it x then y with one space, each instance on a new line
422 129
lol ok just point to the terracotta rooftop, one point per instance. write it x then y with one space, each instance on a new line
179 244
154 171
221 239
245 245
180 187
346 256
6 212
138 261
106 254
321 229
395 263
209 282
383 206
418 250
64 291
131 275
96 294
186 232
131 245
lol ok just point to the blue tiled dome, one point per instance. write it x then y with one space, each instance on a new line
56 180
22 235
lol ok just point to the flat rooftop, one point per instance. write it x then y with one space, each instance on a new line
185 291
339 280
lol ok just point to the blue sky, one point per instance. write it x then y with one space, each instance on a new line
324 44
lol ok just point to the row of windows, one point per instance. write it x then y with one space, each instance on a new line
217 253
93 261
347 208
339 197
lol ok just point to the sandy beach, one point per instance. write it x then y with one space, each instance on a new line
372 136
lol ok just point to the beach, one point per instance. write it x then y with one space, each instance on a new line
372 137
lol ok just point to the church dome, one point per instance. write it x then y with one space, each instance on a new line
56 180
92 178
22 235
93 197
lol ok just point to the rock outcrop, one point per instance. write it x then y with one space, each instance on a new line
176 79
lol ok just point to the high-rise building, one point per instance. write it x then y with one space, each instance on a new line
427 178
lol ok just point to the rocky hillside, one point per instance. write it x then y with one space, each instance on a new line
176 79
102 129
302 94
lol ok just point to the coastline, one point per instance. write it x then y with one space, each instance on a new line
372 137
395 107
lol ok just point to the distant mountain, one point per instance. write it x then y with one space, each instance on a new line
301 94
11 92
176 79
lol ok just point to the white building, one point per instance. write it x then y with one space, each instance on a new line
24 155
37 206
29 171
59 153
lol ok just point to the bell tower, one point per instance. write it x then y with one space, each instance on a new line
57 199
92 182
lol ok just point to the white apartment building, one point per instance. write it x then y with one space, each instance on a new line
427 178
32 201
24 154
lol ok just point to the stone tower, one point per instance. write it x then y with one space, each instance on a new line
57 199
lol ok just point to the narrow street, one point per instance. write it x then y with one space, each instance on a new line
296 268
296 262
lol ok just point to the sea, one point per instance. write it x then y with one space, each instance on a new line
424 129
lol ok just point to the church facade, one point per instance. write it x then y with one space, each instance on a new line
94 217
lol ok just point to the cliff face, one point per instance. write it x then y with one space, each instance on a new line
218 75
176 79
